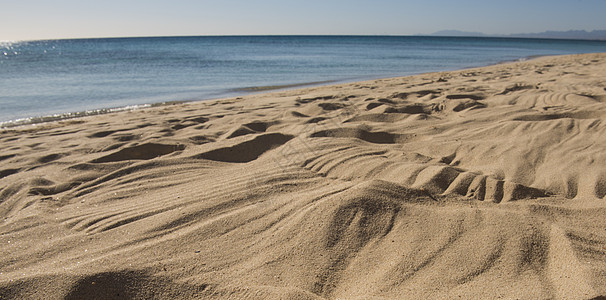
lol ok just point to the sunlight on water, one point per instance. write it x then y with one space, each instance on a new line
5 47
9 45
10 48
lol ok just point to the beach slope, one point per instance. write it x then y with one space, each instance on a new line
479 183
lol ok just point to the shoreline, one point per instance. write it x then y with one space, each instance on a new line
239 92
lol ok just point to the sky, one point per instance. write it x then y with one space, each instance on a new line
54 19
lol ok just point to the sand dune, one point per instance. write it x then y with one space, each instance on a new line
479 183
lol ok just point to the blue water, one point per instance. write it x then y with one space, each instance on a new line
40 78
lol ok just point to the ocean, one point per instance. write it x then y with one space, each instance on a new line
54 79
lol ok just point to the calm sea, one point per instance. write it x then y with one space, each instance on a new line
53 77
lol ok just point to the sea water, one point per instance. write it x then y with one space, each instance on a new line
59 77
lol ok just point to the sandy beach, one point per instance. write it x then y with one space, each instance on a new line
477 184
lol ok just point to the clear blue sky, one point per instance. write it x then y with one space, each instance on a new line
48 19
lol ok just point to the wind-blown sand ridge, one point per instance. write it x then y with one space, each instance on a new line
479 183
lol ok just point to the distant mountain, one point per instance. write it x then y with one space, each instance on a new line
571 34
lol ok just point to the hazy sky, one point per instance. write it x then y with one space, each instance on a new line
47 19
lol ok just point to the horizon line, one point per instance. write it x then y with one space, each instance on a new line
505 36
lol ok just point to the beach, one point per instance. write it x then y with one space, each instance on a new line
478 183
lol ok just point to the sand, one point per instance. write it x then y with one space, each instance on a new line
479 183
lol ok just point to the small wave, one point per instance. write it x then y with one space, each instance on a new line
71 115
521 59
279 87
